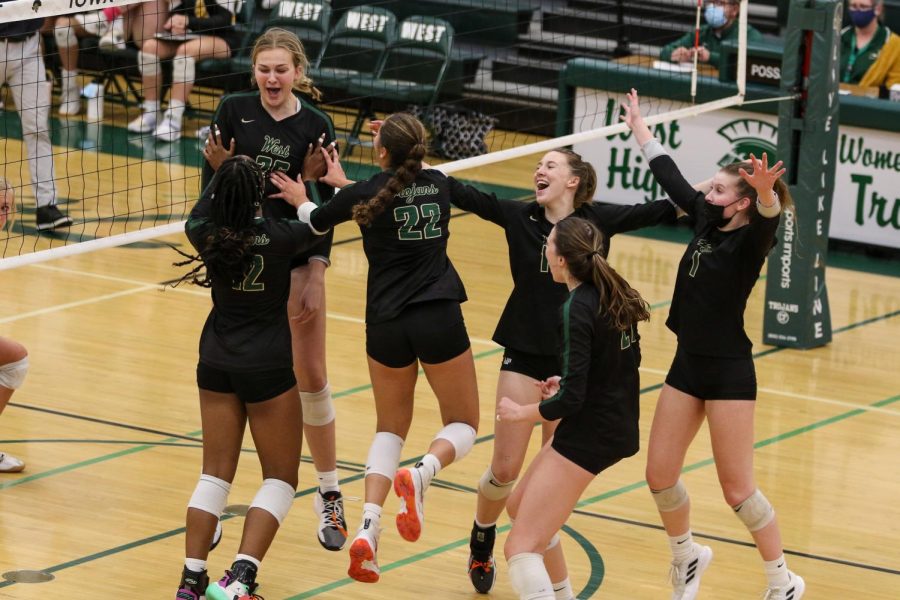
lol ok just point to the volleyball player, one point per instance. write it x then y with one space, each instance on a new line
13 356
194 30
276 125
244 373
413 316
595 400
564 185
712 376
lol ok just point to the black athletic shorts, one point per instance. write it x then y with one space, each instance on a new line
536 366
589 461
712 378
433 331
249 386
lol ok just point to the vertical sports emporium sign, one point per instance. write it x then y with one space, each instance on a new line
796 312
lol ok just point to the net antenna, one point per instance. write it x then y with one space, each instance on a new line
23 9
696 52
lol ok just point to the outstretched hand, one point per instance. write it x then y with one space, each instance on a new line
633 118
214 150
334 174
763 178
292 192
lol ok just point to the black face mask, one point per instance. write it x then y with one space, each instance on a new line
714 213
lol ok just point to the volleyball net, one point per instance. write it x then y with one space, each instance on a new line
501 87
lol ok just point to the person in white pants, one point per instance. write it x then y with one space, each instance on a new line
22 67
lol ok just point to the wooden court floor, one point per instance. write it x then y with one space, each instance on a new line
108 423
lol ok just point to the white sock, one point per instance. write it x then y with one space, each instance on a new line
777 572
255 561
529 577
682 546
563 590
372 513
195 564
429 467
150 105
328 481
176 108
481 525
70 80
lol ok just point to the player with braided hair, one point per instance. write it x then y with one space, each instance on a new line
245 370
413 316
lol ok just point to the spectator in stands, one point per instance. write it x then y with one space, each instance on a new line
24 71
862 40
885 71
13 356
112 26
720 16
195 30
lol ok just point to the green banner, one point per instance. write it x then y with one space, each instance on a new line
796 310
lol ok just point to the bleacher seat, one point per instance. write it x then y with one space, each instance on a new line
356 46
414 70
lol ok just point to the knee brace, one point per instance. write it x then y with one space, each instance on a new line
275 497
65 36
318 408
492 489
554 541
671 498
529 578
183 69
148 64
460 435
384 455
210 495
755 511
13 374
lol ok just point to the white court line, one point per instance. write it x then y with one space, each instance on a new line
876 409
145 286
67 305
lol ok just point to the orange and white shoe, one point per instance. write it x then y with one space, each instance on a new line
363 560
408 486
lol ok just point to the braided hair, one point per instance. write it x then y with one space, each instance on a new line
582 245
403 136
236 192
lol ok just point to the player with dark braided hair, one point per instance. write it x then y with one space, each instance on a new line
245 371
413 316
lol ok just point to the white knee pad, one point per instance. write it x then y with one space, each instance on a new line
756 512
529 578
275 497
65 36
554 541
671 498
148 64
318 408
460 435
183 69
384 454
13 374
210 495
492 489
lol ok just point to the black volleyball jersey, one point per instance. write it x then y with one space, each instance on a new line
528 323
716 274
276 146
247 328
406 245
598 397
